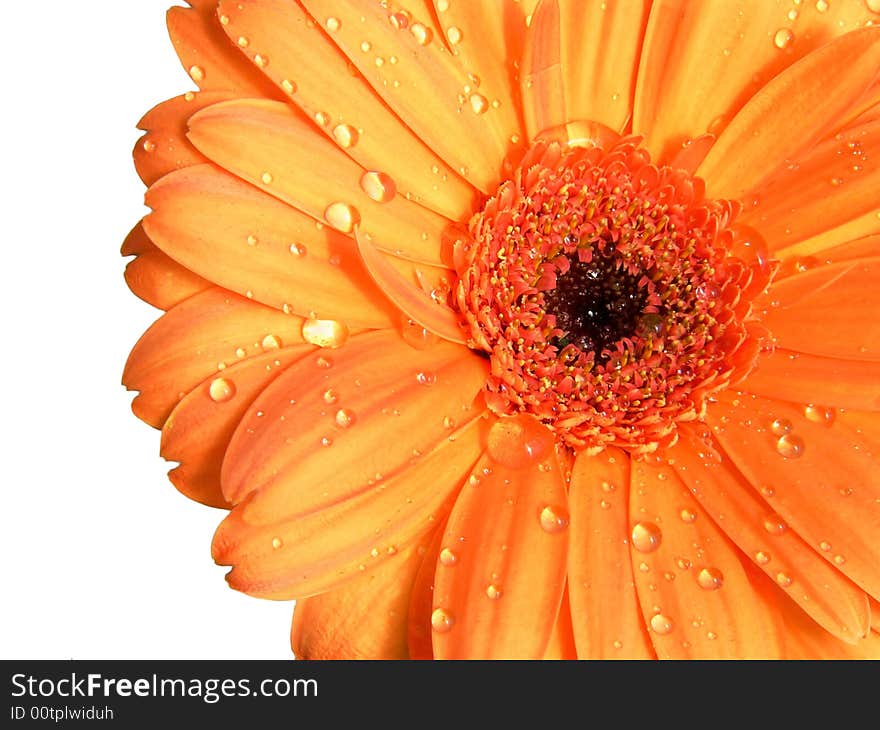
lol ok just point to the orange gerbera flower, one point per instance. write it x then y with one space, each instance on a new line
525 329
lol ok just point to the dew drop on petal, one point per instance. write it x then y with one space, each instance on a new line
783 38
277 543
344 418
819 414
421 33
479 103
454 36
378 186
688 515
345 135
661 624
271 342
710 579
553 519
790 446
518 441
783 580
646 537
448 558
332 24
873 5
781 426
493 592
441 621
197 73
298 250
149 145
774 524
762 558
288 86
342 216
221 390
324 332
417 336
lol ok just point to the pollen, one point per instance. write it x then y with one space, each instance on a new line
611 296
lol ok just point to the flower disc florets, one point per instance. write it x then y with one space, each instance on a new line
610 294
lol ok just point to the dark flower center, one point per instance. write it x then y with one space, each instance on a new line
596 304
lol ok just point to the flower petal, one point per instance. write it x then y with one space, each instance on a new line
802 378
828 487
702 61
417 304
165 148
561 644
825 198
209 57
829 311
694 593
596 47
288 159
316 76
200 427
188 344
599 565
255 245
332 426
425 86
422 599
816 91
155 277
281 557
364 619
498 595
830 598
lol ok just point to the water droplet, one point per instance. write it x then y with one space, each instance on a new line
345 135
240 352
243 42
762 558
839 560
400 19
710 579
267 178
774 524
149 145
479 103
825 545
378 186
781 426
366 46
783 38
688 516
333 24
277 542
646 537
298 250
819 414
271 342
493 592
344 417
417 336
288 86
518 441
421 33
441 621
448 558
453 34
553 519
442 6
683 563
221 390
260 60
661 624
821 5
325 363
197 73
330 396
783 580
873 5
790 446
322 118
324 332
342 216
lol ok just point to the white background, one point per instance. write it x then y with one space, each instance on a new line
102 557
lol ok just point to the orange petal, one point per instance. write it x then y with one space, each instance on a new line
200 427
255 245
820 589
599 564
193 340
582 61
422 599
365 619
486 40
827 197
333 425
817 475
561 645
694 593
209 57
425 87
501 572
409 298
317 76
829 311
701 62
287 158
154 277
801 378
280 557
164 147
816 91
